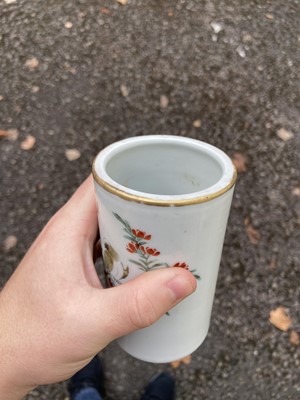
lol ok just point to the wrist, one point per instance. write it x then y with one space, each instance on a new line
11 375
11 385
12 393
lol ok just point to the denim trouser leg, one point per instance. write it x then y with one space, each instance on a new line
88 394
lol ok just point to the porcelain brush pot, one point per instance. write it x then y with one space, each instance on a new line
164 202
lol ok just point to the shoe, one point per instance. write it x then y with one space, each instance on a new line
90 376
161 387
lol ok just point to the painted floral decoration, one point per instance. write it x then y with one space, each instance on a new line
146 256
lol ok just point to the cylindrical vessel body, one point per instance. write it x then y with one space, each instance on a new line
164 202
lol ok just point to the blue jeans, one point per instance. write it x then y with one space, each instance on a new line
88 394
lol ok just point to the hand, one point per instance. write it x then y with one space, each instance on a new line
55 315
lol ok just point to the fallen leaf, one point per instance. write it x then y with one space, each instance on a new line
104 10
294 338
186 360
32 63
170 13
164 101
197 123
296 191
9 1
252 233
9 242
11 134
34 89
273 263
240 162
280 319
68 24
28 143
123 2
72 154
269 16
124 90
284 135
1 98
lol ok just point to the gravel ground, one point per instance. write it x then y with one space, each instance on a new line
232 64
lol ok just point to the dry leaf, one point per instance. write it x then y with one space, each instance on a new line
273 263
252 233
32 63
1 98
9 242
9 1
186 360
124 90
35 89
284 135
28 143
269 16
294 338
72 154
296 191
197 123
240 162
123 2
104 10
280 319
170 13
164 101
68 24
11 134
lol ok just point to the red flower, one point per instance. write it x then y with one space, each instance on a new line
132 247
150 251
140 234
181 265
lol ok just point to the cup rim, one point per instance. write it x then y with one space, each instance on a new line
223 185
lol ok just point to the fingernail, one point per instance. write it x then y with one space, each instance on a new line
182 285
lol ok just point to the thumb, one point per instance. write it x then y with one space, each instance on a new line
142 301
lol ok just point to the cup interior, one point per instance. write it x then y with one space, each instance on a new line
164 168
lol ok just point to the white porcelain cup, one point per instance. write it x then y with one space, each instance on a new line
163 202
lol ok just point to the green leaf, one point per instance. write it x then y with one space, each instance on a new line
143 269
157 265
124 222
127 225
139 264
129 238
118 218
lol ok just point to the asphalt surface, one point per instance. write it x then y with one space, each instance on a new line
232 64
